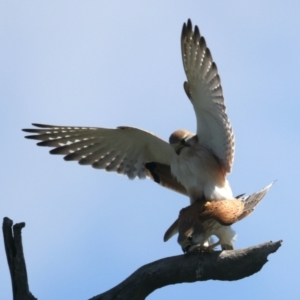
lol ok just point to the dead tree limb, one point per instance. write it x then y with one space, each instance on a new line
225 265
219 265
15 259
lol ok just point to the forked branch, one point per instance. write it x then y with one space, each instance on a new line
15 259
219 265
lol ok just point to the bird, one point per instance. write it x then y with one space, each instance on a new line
193 164
202 219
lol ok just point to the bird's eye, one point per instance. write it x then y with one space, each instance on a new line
183 142
190 237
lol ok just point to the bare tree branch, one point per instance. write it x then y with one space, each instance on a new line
219 265
15 259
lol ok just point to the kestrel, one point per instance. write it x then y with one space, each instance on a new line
192 164
203 219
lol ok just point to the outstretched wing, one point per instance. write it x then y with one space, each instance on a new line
205 92
125 150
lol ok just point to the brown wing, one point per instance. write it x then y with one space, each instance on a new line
161 174
225 212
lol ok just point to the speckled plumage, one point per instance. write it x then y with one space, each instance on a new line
202 219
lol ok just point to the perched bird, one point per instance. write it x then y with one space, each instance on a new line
192 164
202 219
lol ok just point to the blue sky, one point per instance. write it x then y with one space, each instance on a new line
106 64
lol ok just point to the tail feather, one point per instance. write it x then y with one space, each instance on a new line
251 201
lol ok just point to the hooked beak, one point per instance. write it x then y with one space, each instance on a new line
179 146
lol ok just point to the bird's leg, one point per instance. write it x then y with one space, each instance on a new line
203 248
208 249
211 247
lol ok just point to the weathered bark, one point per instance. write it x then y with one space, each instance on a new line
15 259
218 265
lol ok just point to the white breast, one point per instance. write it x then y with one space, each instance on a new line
201 174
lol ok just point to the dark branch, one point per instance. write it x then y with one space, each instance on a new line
15 259
225 265
219 265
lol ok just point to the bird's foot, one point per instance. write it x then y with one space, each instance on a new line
207 249
201 248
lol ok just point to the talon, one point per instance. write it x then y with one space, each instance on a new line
211 247
208 249
201 249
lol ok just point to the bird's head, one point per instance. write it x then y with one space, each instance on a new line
182 138
189 226
190 235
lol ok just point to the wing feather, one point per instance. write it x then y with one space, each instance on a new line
205 92
125 150
250 202
162 175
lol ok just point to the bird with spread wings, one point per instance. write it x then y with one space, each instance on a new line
195 165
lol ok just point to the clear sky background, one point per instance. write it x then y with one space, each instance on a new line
109 63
